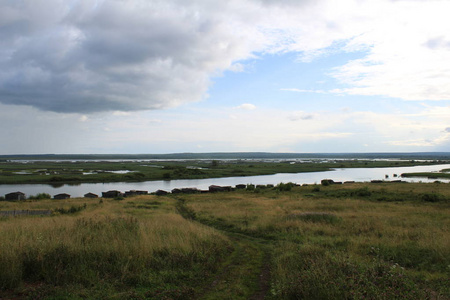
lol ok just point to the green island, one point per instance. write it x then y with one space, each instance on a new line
95 171
445 173
329 241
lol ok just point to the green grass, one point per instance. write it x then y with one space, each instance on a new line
351 241
108 250
58 173
345 242
436 175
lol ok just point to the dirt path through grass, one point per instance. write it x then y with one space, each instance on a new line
245 272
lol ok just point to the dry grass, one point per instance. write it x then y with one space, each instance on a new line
404 246
123 242
337 242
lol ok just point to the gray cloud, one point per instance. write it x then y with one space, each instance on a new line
447 129
88 56
296 116
102 55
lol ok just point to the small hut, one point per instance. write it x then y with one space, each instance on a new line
112 194
135 193
61 196
161 193
190 190
216 188
15 196
90 195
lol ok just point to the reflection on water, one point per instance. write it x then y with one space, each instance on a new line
356 174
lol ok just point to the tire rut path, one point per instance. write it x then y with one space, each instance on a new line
245 273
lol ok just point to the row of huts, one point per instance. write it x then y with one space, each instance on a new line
211 189
17 196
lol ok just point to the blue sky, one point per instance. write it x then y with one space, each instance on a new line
250 75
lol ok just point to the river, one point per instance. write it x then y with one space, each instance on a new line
349 174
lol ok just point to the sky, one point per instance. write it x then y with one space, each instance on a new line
170 76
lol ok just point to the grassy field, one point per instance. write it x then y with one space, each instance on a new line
60 172
352 241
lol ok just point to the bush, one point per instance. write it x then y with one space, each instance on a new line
71 210
284 187
40 196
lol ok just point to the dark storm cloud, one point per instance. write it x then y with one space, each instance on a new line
88 56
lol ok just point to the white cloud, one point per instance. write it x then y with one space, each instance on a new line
237 67
445 138
246 106
404 58
304 91
84 56
299 115
262 129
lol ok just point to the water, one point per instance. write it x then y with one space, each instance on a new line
352 174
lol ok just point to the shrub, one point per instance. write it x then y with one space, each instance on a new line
71 210
250 187
284 187
40 196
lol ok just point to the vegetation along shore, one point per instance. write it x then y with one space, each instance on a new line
325 241
92 171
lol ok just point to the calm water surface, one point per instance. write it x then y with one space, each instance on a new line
354 174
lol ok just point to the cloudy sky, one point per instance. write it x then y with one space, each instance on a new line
164 76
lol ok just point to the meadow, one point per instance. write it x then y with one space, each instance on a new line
351 241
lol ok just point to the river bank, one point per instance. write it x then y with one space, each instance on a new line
77 172
346 174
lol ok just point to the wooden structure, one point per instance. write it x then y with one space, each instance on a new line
61 196
15 196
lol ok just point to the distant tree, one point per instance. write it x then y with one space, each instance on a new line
215 163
